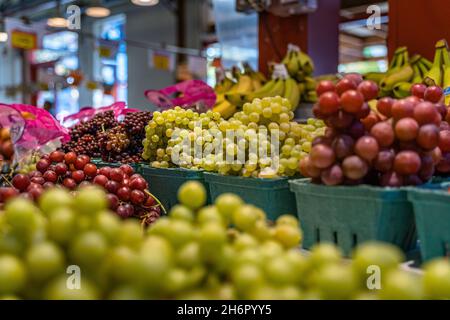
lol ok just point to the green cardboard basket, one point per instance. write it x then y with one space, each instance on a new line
432 214
348 216
271 195
164 183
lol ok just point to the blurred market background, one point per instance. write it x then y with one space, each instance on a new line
126 47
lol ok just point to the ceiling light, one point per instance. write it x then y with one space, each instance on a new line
57 22
98 12
3 34
3 37
145 2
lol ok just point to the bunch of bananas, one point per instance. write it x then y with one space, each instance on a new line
300 68
232 92
403 72
295 84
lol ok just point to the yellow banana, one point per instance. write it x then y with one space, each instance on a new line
418 78
272 88
446 77
256 84
307 65
256 78
220 97
244 84
261 77
292 92
293 65
434 77
402 90
375 76
394 61
236 96
310 83
311 97
299 76
226 109
398 61
224 85
301 88
426 62
423 68
405 74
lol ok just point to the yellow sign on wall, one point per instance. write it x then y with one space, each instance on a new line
161 61
105 52
24 40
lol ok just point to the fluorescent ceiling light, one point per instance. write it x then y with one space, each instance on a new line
145 2
98 12
57 22
3 37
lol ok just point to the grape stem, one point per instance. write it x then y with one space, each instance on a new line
157 200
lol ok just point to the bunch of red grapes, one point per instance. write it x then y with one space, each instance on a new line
104 137
127 191
84 136
401 144
123 143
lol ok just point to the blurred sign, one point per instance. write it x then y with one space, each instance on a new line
108 49
24 36
162 60
24 40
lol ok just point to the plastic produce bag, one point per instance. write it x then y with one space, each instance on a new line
85 114
185 94
32 130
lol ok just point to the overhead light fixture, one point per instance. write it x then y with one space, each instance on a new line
97 10
57 21
3 37
3 33
145 2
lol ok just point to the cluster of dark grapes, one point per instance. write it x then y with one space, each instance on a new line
402 144
128 193
85 135
104 137
135 122
115 140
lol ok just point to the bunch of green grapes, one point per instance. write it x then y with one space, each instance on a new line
276 115
161 128
72 247
256 126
